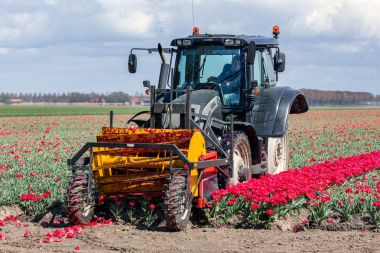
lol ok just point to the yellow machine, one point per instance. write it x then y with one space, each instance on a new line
142 162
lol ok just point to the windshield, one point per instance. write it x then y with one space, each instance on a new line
211 67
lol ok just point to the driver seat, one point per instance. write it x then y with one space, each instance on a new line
225 72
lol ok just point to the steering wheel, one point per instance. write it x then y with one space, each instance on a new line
213 79
140 122
209 85
212 84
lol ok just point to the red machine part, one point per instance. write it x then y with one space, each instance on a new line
209 180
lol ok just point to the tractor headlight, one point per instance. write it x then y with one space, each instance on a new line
229 42
186 42
232 42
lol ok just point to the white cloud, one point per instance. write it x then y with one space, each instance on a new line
51 2
126 18
4 51
350 19
321 20
369 21
127 24
20 26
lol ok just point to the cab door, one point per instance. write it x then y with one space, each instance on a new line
267 101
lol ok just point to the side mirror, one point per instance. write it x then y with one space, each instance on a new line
279 62
132 63
251 53
146 84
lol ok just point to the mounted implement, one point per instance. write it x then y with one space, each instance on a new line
216 118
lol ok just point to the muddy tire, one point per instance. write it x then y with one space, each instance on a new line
177 205
242 157
80 200
278 154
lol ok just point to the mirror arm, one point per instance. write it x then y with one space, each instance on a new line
150 50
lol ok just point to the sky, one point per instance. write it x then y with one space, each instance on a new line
83 45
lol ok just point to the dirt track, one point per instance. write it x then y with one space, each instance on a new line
120 238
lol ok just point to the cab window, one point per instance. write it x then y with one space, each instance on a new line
269 73
258 68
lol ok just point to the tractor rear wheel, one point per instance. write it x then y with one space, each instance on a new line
241 149
177 204
80 197
278 154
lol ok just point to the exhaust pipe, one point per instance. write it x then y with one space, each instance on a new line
165 69
163 59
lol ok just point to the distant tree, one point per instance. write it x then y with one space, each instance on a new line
314 97
323 97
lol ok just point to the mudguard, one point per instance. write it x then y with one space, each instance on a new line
272 107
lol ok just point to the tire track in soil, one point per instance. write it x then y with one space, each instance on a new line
121 238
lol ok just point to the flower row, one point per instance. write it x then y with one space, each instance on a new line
262 200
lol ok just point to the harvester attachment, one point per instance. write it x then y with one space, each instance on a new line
169 163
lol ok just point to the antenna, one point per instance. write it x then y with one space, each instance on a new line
192 10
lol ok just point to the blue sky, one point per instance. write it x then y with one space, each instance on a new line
83 45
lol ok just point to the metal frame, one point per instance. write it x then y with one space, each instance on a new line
200 165
171 147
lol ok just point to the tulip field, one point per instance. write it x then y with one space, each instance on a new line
334 175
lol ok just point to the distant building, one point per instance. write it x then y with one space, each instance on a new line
139 101
15 101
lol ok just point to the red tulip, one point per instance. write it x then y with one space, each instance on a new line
330 220
26 233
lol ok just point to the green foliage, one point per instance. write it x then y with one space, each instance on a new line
147 209
12 111
117 209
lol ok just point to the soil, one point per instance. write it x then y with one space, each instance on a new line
13 210
124 238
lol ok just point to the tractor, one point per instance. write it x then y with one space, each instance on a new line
216 118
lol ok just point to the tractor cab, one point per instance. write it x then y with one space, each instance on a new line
232 65
237 67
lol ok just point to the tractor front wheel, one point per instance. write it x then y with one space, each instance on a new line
80 198
177 204
241 171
